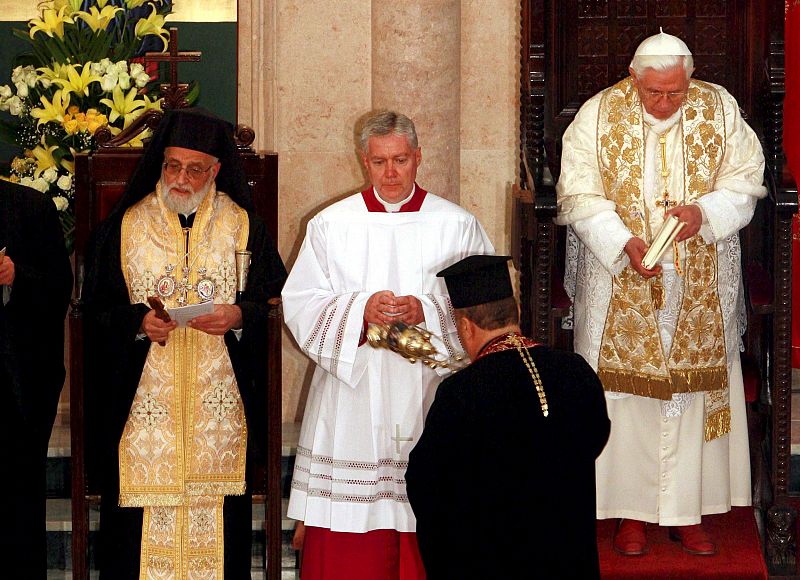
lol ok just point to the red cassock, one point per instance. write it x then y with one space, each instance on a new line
791 145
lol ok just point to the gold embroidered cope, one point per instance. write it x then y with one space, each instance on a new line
631 355
184 444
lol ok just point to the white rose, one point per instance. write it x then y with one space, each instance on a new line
45 82
97 68
40 184
61 202
5 92
141 80
136 68
31 78
50 174
22 89
122 66
124 81
16 74
14 105
108 82
64 182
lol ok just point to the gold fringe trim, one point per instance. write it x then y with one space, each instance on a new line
698 380
718 424
643 385
619 381
215 488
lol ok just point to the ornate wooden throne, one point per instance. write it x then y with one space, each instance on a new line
101 178
572 49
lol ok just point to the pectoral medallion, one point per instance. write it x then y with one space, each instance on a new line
205 287
165 285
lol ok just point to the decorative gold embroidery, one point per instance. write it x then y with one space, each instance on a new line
697 359
185 439
191 546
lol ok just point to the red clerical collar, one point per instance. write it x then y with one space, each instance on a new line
505 342
413 204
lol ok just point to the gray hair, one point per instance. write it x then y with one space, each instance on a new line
387 123
641 63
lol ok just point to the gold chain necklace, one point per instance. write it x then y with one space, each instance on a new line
537 380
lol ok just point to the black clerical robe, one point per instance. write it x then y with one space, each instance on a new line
117 358
499 490
31 366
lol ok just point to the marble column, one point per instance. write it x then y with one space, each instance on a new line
256 74
416 56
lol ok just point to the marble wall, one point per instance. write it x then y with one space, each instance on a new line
310 68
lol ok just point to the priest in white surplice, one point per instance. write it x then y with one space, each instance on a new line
370 258
664 341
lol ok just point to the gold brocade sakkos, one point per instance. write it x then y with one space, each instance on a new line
184 444
631 354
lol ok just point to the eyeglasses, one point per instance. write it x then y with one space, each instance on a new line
194 172
671 95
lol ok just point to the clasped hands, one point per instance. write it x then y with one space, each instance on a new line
224 318
385 308
636 248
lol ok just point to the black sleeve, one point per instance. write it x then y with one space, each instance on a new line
249 354
114 358
43 279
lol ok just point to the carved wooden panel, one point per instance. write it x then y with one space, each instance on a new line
591 43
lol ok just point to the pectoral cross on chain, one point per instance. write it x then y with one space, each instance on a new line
665 201
397 438
183 284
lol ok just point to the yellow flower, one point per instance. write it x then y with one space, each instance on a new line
44 158
124 106
98 19
54 111
71 126
152 25
77 83
59 71
70 5
52 22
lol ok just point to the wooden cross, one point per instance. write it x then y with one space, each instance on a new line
397 439
174 93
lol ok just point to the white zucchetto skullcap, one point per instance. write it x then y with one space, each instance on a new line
662 44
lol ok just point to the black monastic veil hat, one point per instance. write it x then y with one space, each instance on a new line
478 279
197 129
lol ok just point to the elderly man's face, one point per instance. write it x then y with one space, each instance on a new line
662 92
391 164
186 177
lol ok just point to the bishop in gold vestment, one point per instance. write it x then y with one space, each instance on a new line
180 403
665 342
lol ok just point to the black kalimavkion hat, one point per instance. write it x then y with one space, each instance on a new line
478 279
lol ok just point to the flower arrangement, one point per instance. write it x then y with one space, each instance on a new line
84 71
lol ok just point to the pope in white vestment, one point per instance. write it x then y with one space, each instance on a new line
678 447
366 406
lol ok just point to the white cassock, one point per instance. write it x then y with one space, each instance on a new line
366 406
656 466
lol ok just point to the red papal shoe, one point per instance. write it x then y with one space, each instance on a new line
694 540
630 539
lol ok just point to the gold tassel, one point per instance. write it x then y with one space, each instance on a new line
718 424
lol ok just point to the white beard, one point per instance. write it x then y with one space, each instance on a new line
184 205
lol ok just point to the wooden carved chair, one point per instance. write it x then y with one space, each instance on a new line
101 178
572 49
